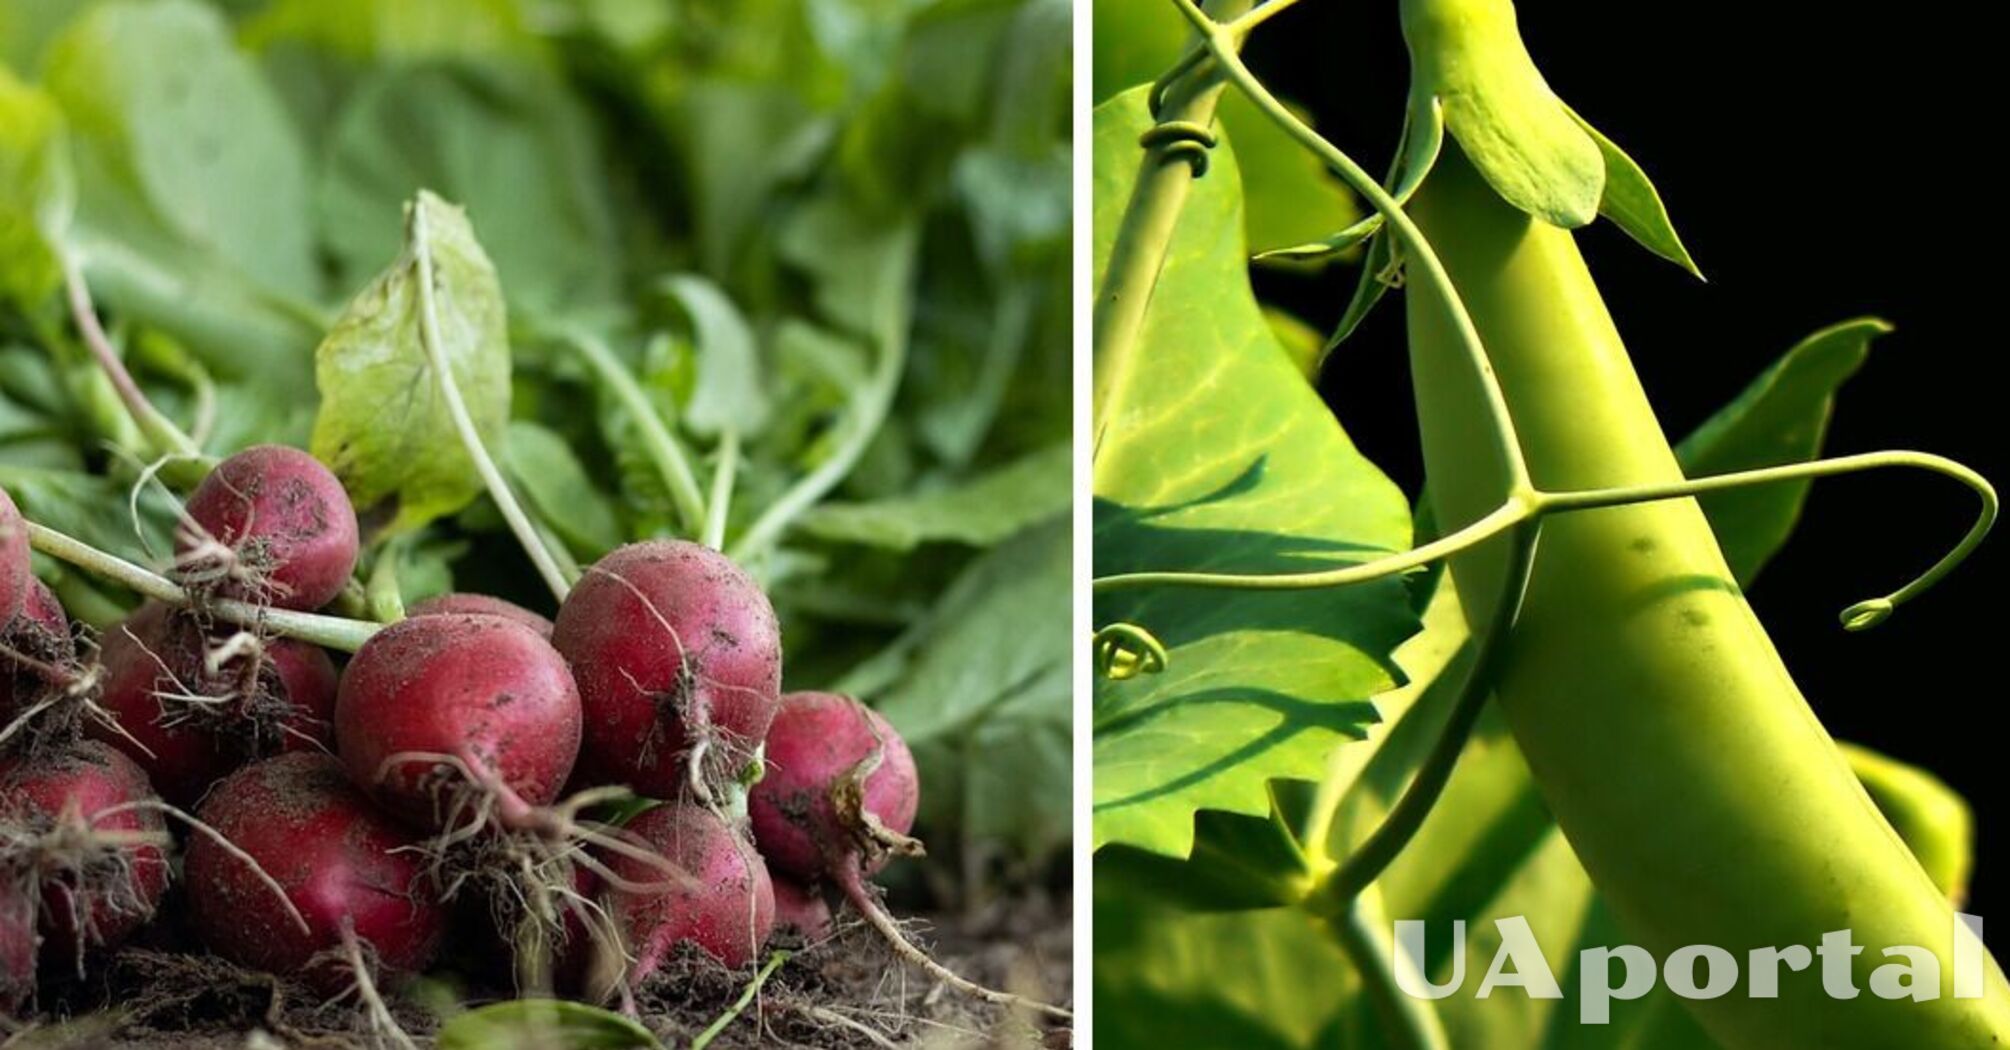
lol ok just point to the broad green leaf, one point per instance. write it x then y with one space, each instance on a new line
978 513
551 477
983 693
1781 417
1238 863
192 187
36 192
1470 55
741 141
1220 457
728 394
384 427
1632 203
543 1024
1262 980
506 141
173 124
26 26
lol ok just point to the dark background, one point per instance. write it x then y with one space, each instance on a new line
1819 166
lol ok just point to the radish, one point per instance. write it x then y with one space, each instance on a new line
440 713
725 905
190 708
81 837
801 909
271 525
14 574
344 867
482 605
840 789
679 660
836 803
37 653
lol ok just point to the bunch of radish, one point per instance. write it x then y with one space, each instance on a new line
459 756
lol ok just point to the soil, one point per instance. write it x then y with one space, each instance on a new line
847 991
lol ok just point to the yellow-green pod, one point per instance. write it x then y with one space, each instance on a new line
1704 798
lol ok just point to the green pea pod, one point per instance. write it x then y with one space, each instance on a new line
1704 798
1931 817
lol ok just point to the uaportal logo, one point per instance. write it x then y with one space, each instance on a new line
1698 971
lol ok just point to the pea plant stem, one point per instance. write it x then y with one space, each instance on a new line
1335 895
658 443
1224 41
1410 1023
331 632
1143 235
457 409
721 500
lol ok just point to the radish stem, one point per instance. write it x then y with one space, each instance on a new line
457 409
722 489
332 632
657 441
167 438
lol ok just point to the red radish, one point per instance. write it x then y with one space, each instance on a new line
36 652
431 701
811 813
800 909
336 858
725 905
275 527
837 801
80 832
189 725
480 605
14 574
679 660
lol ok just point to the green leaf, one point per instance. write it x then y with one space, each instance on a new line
384 427
544 1024
978 513
506 141
1262 980
729 393
982 694
551 477
37 192
1220 457
192 186
1632 203
1782 417
1521 137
